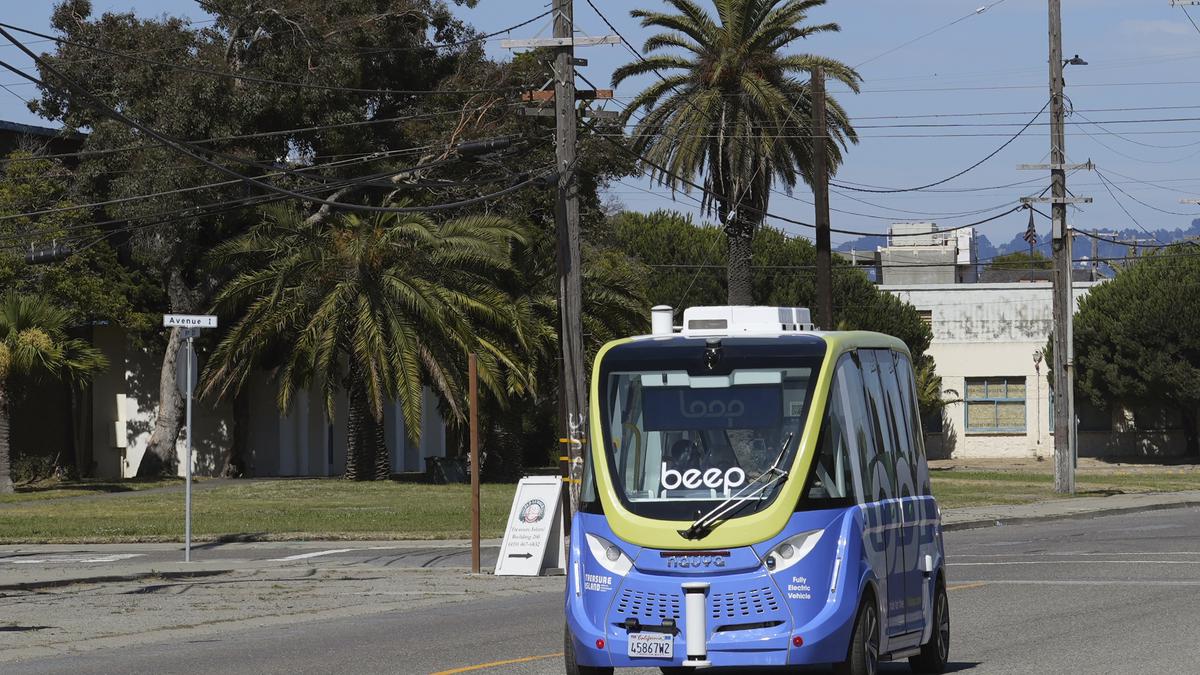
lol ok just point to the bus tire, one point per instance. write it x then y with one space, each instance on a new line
935 653
863 658
572 666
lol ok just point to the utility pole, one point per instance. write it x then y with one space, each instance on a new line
821 203
572 378
1060 236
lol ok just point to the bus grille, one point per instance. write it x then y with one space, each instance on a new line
648 604
751 602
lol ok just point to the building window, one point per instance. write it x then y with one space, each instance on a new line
995 405
926 316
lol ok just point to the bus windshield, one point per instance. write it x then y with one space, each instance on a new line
678 442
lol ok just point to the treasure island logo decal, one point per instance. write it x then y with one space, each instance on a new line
533 511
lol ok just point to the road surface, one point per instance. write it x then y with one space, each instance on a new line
1114 594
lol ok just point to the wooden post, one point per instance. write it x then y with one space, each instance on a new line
473 376
820 168
1064 413
570 277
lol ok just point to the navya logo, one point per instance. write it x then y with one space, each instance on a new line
695 560
673 479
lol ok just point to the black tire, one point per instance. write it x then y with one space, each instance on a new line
935 654
572 666
863 658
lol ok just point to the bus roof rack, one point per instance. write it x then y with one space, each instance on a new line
745 320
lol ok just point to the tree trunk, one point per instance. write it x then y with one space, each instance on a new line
6 484
383 460
160 458
741 280
237 459
355 419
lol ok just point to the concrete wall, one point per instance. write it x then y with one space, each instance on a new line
989 330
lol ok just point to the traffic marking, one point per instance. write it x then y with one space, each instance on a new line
494 664
963 587
314 554
77 559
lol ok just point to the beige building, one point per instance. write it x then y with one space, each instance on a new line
987 344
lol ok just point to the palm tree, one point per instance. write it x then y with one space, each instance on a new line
380 306
34 343
733 108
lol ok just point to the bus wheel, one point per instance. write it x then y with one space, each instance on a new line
572 666
863 658
935 653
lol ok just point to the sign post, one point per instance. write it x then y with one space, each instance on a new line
186 372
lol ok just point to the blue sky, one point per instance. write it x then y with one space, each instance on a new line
1141 54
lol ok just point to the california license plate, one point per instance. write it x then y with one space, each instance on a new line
651 645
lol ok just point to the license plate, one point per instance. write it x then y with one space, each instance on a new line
651 645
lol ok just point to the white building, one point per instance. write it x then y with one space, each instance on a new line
306 442
985 338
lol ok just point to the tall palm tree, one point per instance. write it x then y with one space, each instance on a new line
34 343
380 306
733 107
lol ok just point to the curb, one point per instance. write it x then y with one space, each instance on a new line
1080 515
111 578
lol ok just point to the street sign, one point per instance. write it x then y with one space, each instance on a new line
533 537
189 321
186 370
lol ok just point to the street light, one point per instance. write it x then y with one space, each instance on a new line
1074 61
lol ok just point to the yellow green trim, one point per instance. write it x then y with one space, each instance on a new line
742 531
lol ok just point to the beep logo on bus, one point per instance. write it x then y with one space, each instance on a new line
673 479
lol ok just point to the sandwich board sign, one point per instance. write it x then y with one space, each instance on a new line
533 537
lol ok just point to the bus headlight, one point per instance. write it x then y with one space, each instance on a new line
792 550
610 557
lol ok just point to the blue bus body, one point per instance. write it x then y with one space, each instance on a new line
836 558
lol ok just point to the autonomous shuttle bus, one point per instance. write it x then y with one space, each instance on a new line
756 495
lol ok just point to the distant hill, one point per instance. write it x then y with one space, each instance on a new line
1083 247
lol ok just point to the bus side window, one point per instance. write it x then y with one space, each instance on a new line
908 389
898 421
831 474
881 468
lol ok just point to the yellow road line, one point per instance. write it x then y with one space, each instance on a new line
493 664
963 587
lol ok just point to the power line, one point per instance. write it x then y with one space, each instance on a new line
259 79
949 178
187 150
924 35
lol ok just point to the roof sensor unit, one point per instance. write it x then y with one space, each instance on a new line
741 320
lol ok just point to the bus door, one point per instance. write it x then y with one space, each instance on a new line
895 388
884 487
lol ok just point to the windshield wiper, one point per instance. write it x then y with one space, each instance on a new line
775 475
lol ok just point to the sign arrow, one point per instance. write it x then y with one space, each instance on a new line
520 555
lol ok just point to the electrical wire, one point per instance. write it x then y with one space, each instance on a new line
922 36
262 80
183 148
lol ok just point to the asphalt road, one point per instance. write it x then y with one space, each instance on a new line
1114 594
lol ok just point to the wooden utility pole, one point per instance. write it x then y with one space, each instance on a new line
572 387
1063 306
821 202
1063 366
572 378
473 377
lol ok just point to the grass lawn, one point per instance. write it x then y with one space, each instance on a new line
959 488
56 489
283 509
337 509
